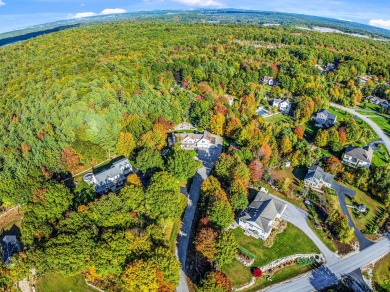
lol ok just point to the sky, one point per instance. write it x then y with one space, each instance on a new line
15 14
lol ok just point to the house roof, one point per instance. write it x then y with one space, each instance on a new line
364 154
318 173
10 245
205 135
263 210
115 169
330 118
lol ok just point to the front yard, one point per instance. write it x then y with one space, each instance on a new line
381 157
373 207
291 241
383 122
59 283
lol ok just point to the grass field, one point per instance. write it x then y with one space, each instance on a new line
372 205
278 118
383 122
291 241
381 274
340 113
57 282
381 157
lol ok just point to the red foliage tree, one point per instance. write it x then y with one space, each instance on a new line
264 153
70 159
299 132
256 170
333 165
257 273
342 135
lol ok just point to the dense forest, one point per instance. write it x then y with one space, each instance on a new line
70 98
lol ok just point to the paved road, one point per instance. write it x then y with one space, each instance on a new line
298 217
374 126
329 274
208 158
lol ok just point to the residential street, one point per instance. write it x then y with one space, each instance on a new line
208 157
375 127
329 273
298 217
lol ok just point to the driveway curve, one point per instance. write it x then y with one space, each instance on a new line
374 126
297 217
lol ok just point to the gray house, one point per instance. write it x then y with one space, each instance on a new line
113 177
261 215
358 157
10 245
324 118
316 177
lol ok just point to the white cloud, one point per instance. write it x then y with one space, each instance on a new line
380 23
2 3
104 12
112 11
200 2
83 14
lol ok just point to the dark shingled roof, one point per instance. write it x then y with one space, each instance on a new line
262 210
364 154
318 173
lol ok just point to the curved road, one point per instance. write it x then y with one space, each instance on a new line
329 274
374 126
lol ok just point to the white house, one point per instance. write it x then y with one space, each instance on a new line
268 80
113 177
358 157
324 118
261 215
283 104
317 178
190 141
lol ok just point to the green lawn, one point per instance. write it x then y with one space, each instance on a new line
363 198
366 106
383 122
322 235
278 118
279 276
381 274
381 157
291 241
340 113
57 282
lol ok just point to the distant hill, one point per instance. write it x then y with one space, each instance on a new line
205 16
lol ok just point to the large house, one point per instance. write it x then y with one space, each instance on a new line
358 157
261 215
324 118
364 79
283 104
113 177
9 246
317 178
191 141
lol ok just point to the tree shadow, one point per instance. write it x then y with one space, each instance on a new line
322 277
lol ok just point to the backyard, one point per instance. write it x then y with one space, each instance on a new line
278 118
291 241
59 283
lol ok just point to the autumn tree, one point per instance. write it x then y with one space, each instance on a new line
182 164
333 165
299 132
238 195
126 144
141 275
70 159
285 146
217 123
256 170
321 139
216 282
205 242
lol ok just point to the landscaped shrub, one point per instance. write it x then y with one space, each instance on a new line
246 252
306 261
257 273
